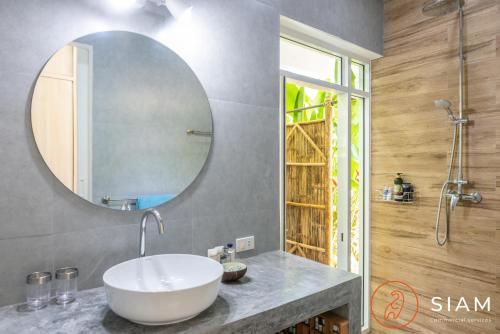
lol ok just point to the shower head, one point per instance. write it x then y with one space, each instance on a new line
441 7
442 103
446 105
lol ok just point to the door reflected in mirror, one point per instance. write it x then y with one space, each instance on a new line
121 120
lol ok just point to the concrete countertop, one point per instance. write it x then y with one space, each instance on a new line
279 290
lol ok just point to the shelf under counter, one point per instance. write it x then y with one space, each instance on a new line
278 291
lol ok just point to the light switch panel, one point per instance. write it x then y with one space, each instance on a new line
244 244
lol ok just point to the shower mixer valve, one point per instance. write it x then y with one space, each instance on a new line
456 197
474 197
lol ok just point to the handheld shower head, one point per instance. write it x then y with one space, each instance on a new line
446 105
442 103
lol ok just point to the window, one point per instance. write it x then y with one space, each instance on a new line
357 110
357 75
309 78
302 95
299 59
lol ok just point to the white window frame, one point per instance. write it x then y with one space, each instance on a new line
84 110
344 219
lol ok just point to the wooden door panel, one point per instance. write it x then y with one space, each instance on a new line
61 64
53 116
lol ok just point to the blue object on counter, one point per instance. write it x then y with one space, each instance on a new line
150 201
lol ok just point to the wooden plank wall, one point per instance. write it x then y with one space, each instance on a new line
410 135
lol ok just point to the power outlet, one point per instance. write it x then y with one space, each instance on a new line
244 244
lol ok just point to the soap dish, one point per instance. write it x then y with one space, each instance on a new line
233 271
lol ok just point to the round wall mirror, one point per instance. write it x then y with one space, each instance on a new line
121 120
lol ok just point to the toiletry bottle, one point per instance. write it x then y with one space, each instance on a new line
224 256
230 252
398 188
407 192
385 193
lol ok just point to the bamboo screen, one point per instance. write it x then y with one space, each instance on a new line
308 188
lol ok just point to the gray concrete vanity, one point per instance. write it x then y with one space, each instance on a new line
278 291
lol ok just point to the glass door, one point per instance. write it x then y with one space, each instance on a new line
324 182
311 170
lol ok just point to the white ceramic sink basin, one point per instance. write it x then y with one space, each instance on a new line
162 289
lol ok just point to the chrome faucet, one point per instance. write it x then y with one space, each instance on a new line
144 219
456 197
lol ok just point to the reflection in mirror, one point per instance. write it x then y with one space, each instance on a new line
121 120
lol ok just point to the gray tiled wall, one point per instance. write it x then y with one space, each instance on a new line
357 21
232 46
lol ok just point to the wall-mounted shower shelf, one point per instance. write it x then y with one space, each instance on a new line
409 198
396 202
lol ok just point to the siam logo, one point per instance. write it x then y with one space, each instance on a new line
394 304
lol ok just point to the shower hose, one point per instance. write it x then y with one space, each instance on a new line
444 192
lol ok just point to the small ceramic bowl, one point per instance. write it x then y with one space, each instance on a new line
233 271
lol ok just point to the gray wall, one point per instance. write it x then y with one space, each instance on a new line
357 21
144 98
233 48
